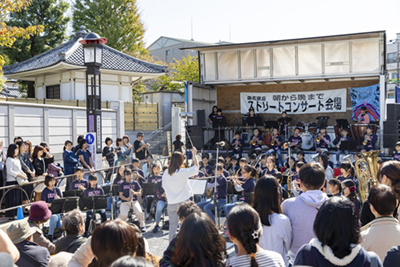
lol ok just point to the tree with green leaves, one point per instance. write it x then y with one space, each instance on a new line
117 20
186 69
47 13
8 34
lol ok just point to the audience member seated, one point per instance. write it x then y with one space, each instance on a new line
245 230
337 241
185 210
199 243
143 248
31 254
392 257
38 215
110 241
384 232
74 226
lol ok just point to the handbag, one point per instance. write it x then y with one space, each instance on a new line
105 164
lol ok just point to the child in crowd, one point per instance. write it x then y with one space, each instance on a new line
49 194
255 142
350 191
292 164
253 161
246 186
300 157
148 166
120 175
177 145
129 191
337 143
139 173
330 163
364 116
79 183
205 167
237 145
396 155
324 140
161 203
153 180
221 161
302 210
276 142
208 205
270 170
335 187
245 231
347 171
295 141
93 190
371 139
228 163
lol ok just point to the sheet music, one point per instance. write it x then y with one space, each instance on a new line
198 186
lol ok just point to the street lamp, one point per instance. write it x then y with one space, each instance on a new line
93 60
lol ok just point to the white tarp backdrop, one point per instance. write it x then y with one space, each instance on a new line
295 102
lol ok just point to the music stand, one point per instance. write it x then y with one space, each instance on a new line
73 193
322 121
271 124
106 189
348 145
93 203
198 186
343 123
63 205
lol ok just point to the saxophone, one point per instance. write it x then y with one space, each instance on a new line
367 176
366 139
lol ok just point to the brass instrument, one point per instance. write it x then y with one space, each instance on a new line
367 176
366 139
273 140
318 139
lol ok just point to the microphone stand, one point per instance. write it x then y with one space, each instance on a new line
215 187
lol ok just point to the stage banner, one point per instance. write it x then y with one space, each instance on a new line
295 102
369 97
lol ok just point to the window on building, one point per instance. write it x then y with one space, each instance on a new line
167 52
53 92
391 58
394 75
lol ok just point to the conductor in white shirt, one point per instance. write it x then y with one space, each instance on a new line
176 185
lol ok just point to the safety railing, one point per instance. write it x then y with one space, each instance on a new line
160 160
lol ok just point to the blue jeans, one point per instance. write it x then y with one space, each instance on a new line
53 224
338 155
228 207
160 206
208 207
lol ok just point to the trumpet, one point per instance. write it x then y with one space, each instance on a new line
273 140
318 139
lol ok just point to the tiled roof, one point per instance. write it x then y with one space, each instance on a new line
11 92
72 52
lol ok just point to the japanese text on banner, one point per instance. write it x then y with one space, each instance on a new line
295 102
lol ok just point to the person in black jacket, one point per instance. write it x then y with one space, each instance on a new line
108 155
27 168
40 162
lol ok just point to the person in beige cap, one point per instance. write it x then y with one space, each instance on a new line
31 254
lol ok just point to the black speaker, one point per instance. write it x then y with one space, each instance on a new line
390 127
390 140
196 134
201 117
393 112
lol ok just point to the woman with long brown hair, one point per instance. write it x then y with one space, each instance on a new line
176 185
199 243
388 174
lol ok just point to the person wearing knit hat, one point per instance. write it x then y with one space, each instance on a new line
31 254
39 214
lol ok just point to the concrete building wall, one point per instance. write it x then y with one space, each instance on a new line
52 124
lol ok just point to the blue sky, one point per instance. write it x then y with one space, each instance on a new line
252 20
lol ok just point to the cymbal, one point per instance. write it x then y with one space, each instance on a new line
285 119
